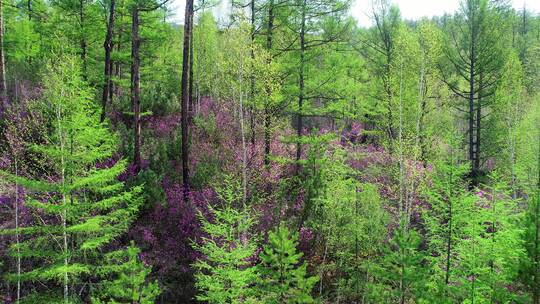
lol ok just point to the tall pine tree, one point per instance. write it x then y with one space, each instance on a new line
79 207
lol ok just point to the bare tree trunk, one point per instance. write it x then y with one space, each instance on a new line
135 85
185 97
107 45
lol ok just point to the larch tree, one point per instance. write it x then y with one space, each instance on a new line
80 207
307 21
136 8
376 45
475 58
108 65
185 97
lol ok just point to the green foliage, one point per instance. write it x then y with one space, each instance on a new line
284 278
81 207
402 272
125 279
224 274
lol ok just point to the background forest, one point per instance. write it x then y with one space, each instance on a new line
285 155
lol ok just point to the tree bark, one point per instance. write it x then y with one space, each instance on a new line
135 85
185 97
270 28
107 45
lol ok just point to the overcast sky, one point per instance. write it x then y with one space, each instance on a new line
410 9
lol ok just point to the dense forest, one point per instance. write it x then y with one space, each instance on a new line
281 153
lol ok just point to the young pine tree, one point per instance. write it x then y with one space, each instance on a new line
403 270
129 283
445 219
285 279
79 208
224 274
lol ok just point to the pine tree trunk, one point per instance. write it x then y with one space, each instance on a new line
107 45
270 28
185 97
135 85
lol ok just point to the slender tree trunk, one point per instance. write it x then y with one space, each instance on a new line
300 125
185 97
472 154
402 207
29 8
270 28
478 129
83 40
536 262
450 191
252 78
117 69
3 87
17 240
64 202
448 243
107 45
190 108
243 135
135 85
422 92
